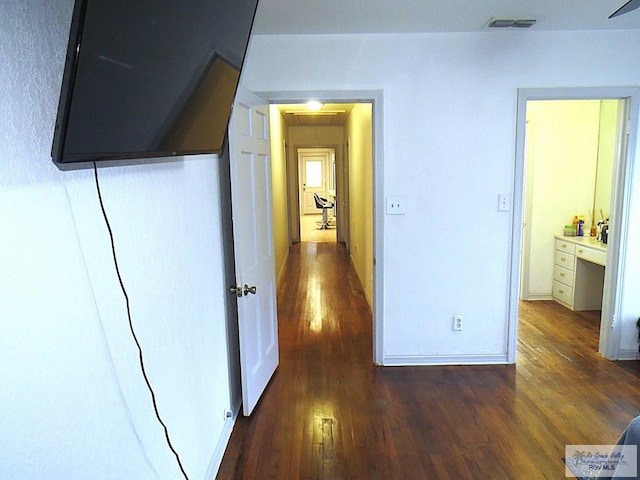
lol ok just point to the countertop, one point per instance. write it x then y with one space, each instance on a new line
586 241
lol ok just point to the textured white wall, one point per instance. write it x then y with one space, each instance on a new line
73 404
449 143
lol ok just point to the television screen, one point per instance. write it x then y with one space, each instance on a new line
149 78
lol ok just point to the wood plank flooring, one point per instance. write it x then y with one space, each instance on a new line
309 231
329 413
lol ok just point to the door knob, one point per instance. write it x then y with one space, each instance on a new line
236 290
248 289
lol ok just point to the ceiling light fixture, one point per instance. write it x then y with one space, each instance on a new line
314 105
302 113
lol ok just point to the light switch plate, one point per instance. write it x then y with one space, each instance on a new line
503 203
395 205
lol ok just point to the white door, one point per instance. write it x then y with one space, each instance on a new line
314 177
250 156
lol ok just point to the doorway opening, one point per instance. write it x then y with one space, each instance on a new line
572 163
317 194
349 125
571 150
329 156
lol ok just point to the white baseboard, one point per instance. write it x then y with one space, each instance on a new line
628 354
532 297
282 269
221 446
445 359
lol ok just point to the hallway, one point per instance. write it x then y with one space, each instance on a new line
330 414
309 231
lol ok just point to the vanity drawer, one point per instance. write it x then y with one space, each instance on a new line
563 246
563 275
562 292
592 255
565 260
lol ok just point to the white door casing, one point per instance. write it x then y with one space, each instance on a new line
376 98
610 326
250 157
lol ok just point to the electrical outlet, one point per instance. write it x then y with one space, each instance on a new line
395 205
457 323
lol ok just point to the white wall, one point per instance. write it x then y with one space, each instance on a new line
607 154
73 404
449 143
308 136
630 312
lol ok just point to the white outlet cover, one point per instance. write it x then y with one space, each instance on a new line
395 205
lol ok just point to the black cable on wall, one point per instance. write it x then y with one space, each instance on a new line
132 330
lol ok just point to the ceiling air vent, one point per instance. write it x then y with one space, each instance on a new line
511 23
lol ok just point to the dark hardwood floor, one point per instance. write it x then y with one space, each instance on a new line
329 413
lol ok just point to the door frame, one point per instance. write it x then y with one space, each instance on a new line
610 328
326 171
529 204
342 218
375 98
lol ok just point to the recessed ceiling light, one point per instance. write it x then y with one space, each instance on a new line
314 105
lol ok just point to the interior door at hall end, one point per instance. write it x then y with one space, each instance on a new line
255 288
313 166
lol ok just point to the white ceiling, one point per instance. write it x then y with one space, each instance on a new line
410 16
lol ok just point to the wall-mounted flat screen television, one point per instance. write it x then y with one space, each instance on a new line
149 78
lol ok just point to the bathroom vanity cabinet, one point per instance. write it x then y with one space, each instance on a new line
578 272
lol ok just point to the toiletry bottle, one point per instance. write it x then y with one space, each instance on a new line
580 227
605 233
